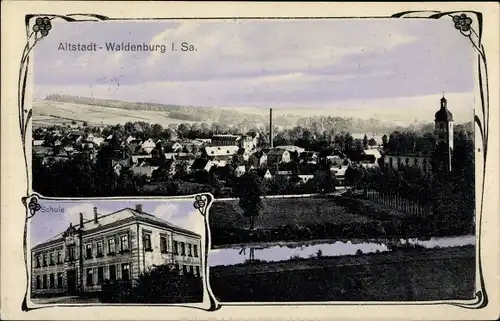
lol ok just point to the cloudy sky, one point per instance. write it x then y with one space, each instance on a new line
55 216
261 63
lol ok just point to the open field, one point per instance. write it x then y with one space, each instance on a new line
46 113
437 274
280 212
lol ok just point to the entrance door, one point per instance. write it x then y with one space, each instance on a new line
71 278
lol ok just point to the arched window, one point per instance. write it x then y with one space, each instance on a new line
407 161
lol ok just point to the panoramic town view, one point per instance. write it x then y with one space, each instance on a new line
342 170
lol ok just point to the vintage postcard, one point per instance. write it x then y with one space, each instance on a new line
196 161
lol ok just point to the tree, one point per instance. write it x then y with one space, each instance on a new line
385 141
156 130
365 142
354 175
248 188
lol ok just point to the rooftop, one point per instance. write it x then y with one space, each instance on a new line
115 218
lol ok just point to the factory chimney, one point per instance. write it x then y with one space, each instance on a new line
271 127
95 215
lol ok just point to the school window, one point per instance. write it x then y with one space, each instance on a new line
45 260
176 247
163 244
71 253
51 258
51 280
183 248
184 269
59 257
38 282
100 275
195 250
124 242
44 281
99 248
88 250
177 266
111 246
198 271
147 242
191 269
37 258
90 276
407 161
59 280
125 272
112 272
190 250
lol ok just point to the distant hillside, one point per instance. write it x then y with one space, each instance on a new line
182 113
109 111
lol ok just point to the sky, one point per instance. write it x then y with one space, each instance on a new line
55 215
261 63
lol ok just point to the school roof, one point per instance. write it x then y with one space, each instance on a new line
115 218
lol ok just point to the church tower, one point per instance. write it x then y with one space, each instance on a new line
443 133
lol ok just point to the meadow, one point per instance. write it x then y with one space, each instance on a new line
412 275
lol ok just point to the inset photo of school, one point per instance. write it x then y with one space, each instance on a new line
105 250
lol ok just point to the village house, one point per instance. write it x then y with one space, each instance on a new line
239 171
148 145
38 142
276 156
220 160
116 246
212 151
309 157
224 140
144 168
119 165
173 147
201 164
138 157
130 139
291 148
339 172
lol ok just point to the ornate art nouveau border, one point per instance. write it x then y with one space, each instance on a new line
469 23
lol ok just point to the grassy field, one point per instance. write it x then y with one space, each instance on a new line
279 212
438 274
46 113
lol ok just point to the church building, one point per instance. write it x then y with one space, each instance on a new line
440 157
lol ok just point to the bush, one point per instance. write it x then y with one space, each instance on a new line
163 284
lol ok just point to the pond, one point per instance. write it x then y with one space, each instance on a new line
283 251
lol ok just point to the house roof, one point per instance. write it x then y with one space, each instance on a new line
200 163
116 218
291 148
42 150
373 151
221 150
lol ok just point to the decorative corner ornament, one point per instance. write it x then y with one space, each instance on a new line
463 23
42 26
34 206
201 202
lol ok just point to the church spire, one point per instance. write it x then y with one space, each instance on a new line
443 102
